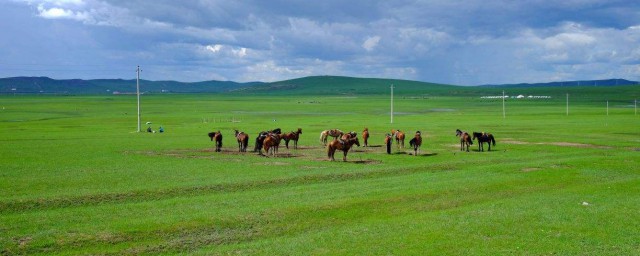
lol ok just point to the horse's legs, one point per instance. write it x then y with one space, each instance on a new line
344 158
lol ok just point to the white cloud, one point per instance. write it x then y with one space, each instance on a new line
60 13
371 43
241 52
214 48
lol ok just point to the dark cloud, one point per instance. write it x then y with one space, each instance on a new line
460 42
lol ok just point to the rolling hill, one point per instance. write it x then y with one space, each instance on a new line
318 85
45 85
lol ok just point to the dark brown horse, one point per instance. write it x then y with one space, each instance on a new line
399 137
335 133
416 142
260 139
341 145
482 138
465 139
365 137
271 143
259 142
243 141
388 140
217 137
294 136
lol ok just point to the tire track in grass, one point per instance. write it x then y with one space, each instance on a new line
190 237
18 206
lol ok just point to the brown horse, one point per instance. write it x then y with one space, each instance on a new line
243 141
271 143
365 137
399 137
416 142
217 136
292 136
341 145
388 140
465 139
482 138
335 133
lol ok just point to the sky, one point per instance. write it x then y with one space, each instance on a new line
440 41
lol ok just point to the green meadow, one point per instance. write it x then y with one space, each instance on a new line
76 177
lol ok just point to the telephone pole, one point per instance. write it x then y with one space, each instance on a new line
138 93
504 113
391 103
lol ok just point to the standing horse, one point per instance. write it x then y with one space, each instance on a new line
416 142
482 138
335 133
365 137
217 136
465 139
271 143
292 136
388 140
243 141
399 137
344 146
260 141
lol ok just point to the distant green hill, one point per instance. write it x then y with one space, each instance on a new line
325 85
339 85
45 85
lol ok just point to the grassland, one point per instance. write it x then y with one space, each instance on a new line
76 179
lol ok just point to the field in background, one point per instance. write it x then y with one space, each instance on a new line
76 179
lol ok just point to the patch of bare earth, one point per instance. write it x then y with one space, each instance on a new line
562 144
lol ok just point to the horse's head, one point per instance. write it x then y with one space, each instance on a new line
357 142
458 132
299 130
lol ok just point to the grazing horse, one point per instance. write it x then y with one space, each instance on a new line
217 136
335 133
465 139
243 141
292 136
388 140
259 142
399 137
416 142
482 138
271 143
365 137
341 145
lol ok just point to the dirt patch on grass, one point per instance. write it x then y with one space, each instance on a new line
561 144
531 169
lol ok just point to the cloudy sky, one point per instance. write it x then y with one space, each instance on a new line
444 41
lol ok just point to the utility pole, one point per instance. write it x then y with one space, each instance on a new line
567 104
391 103
504 113
138 93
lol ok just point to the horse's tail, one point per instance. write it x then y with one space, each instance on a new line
412 142
388 148
493 140
322 137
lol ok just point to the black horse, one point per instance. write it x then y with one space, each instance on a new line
260 139
482 138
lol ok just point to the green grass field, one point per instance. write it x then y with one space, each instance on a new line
75 177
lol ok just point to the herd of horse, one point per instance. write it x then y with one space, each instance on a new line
269 141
